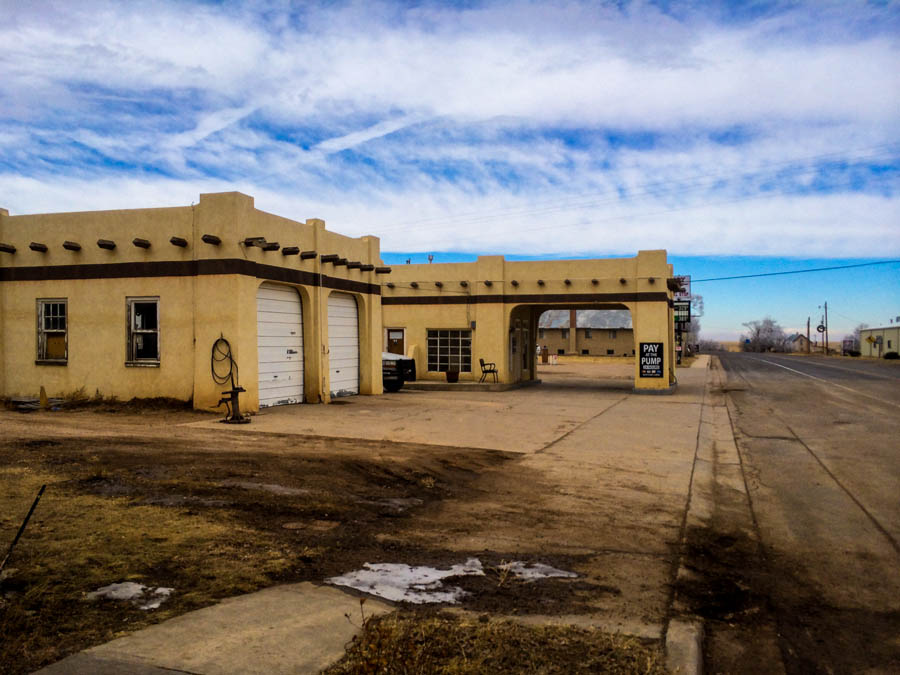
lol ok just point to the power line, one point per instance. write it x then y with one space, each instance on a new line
817 269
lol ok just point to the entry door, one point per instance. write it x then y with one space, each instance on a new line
279 344
343 344
395 341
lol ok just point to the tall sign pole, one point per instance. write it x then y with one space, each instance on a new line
826 328
808 343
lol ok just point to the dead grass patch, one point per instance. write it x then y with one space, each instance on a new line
76 543
436 642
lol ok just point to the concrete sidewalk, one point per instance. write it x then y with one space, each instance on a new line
297 628
616 468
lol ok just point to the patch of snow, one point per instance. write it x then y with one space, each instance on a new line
142 596
419 585
535 571
127 590
403 583
156 597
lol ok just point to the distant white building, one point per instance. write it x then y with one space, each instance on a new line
877 342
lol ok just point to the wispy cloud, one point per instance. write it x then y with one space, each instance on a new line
503 126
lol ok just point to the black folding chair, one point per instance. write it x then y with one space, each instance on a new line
487 369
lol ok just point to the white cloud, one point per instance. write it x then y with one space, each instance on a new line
374 114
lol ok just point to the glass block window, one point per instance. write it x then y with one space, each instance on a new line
143 330
450 350
52 333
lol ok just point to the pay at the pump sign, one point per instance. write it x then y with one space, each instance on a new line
651 359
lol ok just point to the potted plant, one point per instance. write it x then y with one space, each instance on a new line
452 375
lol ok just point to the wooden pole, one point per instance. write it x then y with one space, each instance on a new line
22 528
808 343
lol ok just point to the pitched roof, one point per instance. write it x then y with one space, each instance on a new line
587 318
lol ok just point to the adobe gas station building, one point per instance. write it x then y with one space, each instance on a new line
451 316
130 303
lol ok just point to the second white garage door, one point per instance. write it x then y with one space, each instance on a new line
343 344
279 343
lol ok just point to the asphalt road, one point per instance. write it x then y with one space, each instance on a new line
819 440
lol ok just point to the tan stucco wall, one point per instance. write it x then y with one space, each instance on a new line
195 308
515 294
597 344
97 339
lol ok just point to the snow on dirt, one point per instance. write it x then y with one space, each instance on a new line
399 582
535 571
422 584
144 597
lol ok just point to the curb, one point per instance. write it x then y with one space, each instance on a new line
684 647
684 635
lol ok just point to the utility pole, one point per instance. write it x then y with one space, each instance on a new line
826 328
808 343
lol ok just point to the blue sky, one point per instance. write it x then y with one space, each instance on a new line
742 137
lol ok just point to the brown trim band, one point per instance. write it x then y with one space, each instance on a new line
554 298
184 268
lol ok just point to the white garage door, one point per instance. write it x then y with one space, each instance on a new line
343 344
279 330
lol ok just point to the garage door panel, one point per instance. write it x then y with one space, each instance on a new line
283 303
272 381
290 342
343 344
279 321
279 318
278 365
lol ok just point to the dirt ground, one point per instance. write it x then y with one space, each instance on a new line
169 498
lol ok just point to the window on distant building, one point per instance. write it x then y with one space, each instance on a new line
541 333
565 333
450 350
610 352
52 331
612 335
143 331
585 352
587 333
560 351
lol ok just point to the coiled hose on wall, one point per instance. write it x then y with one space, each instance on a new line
221 354
225 371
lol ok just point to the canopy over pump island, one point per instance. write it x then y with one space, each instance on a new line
131 303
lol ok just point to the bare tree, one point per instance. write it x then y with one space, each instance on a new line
692 332
711 346
764 335
855 336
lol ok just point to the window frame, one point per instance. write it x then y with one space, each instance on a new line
439 350
132 332
41 357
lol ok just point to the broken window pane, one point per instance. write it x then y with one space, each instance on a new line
145 346
145 316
